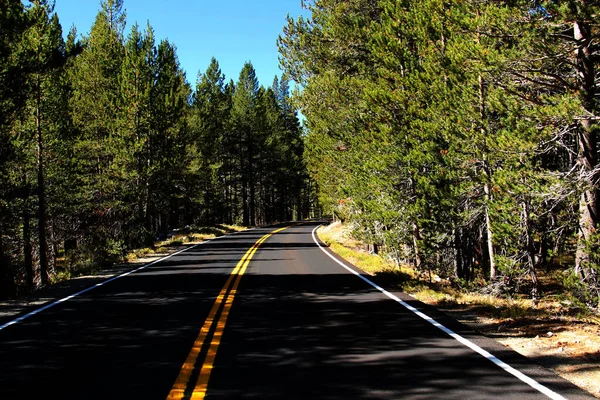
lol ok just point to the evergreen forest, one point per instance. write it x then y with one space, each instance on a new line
105 146
458 136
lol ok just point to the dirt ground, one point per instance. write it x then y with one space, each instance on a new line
570 348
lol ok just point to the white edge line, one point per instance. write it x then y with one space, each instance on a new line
518 374
113 278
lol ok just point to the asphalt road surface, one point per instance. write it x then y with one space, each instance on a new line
253 316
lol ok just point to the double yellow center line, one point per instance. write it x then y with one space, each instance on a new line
227 293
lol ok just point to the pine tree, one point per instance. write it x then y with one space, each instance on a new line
169 109
210 112
412 119
228 151
96 101
137 80
561 67
44 41
243 125
12 20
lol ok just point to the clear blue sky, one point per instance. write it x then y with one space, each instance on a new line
233 31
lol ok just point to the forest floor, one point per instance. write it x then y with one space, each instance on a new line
551 333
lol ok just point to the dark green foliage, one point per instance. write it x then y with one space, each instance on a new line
442 131
12 23
211 158
586 290
250 168
104 146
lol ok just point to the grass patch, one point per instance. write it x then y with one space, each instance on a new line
345 247
139 253
60 276
79 264
179 237
440 292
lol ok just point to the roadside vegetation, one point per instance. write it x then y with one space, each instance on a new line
189 235
428 286
459 137
71 265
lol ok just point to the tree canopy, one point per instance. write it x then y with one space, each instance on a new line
459 136
105 146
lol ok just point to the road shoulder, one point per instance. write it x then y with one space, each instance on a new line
569 349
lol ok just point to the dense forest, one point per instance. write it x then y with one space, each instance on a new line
104 145
457 136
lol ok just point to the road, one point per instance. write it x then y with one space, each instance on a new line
280 319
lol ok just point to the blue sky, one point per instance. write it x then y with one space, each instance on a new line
233 31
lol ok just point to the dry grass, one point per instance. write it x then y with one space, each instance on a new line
338 239
190 236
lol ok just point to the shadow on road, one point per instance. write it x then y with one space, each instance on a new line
289 336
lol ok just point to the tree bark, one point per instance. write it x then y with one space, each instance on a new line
486 186
252 185
489 235
416 237
588 147
27 249
530 251
41 189
7 283
461 264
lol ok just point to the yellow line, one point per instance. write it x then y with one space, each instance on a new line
187 368
183 379
203 378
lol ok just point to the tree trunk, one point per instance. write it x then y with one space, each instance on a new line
252 203
27 249
588 148
245 210
486 186
252 185
489 236
7 283
41 189
416 237
459 262
530 251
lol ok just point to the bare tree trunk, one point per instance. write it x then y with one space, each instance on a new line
486 186
460 266
530 251
252 203
245 179
416 237
251 183
41 189
52 248
28 249
489 236
7 283
228 201
245 208
146 208
588 148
